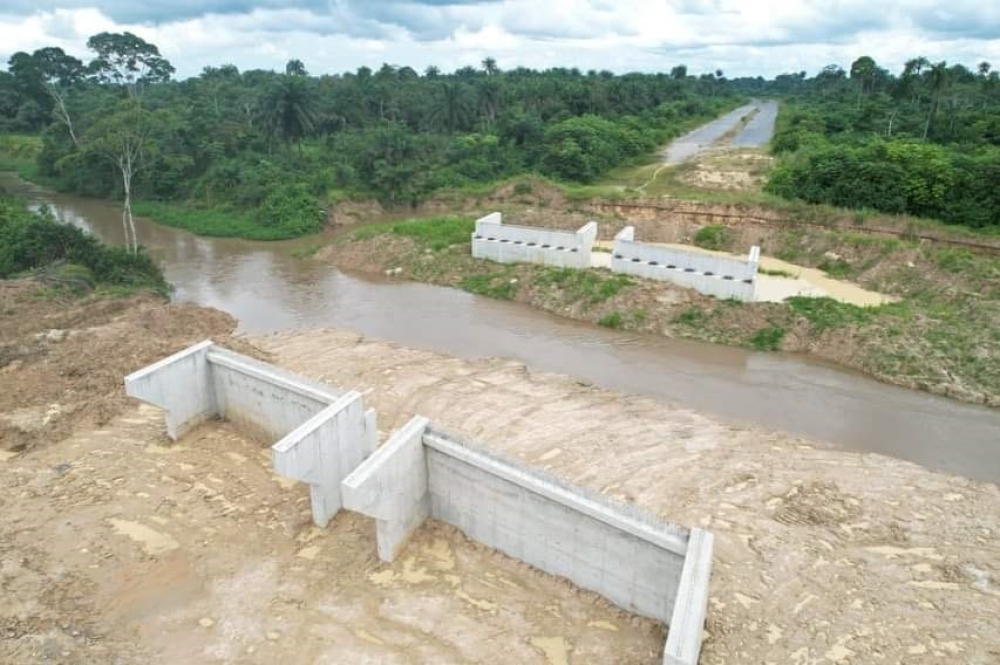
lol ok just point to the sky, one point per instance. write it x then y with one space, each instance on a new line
740 37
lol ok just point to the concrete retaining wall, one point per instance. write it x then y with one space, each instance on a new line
718 276
505 243
322 432
640 562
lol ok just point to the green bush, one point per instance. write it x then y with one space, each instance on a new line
714 236
611 320
768 339
691 317
33 241
493 285
291 211
590 286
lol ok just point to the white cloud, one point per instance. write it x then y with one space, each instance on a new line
742 37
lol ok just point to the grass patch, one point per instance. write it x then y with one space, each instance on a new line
827 313
590 286
491 285
777 272
714 236
767 339
611 320
437 233
691 317
213 222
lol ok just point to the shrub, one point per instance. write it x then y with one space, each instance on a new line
768 339
492 285
32 241
611 320
714 237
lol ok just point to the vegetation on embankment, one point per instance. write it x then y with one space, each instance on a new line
35 245
941 337
19 153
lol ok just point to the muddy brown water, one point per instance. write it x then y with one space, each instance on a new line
268 289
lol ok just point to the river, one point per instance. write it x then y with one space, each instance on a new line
267 289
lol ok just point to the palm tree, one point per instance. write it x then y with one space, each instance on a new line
939 80
289 109
490 67
452 106
864 70
295 67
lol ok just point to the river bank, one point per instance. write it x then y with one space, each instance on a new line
938 338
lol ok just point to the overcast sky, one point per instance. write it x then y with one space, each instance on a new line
741 37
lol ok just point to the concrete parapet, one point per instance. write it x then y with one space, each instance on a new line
718 276
323 433
642 563
505 243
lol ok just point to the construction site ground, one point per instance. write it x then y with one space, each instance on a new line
118 546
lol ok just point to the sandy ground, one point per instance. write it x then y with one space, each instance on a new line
772 288
822 556
117 547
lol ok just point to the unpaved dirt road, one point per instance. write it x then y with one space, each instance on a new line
116 547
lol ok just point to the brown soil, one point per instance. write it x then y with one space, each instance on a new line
63 357
116 546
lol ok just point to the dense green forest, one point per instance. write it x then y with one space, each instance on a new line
269 148
925 142
260 153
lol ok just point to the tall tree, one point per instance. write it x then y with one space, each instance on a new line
289 109
122 136
939 78
129 61
295 67
864 70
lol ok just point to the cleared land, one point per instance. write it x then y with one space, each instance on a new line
115 547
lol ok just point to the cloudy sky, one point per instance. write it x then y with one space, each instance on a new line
742 37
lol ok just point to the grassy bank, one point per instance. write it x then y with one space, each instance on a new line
224 222
941 336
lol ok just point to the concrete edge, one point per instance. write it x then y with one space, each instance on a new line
625 517
169 360
265 372
308 427
688 618
356 479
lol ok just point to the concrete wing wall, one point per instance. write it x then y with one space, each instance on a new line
180 384
595 543
262 400
324 434
325 449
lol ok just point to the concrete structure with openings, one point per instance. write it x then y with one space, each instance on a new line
712 275
505 243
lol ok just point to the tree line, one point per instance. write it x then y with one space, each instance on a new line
277 144
923 142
